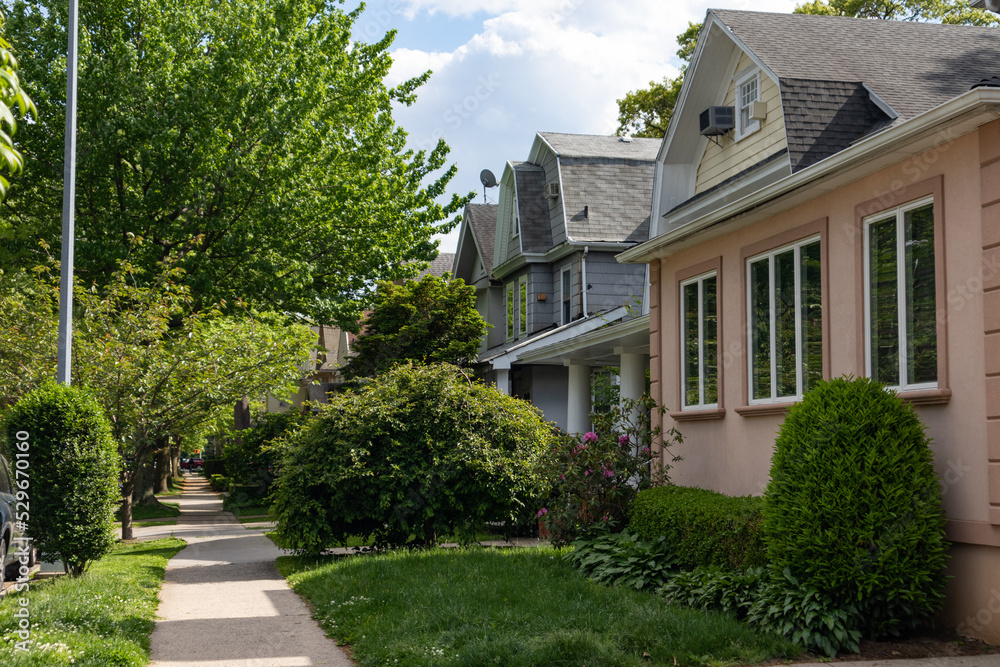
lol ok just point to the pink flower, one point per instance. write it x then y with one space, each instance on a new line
586 473
608 472
562 477
645 450
590 436
623 441
542 512
578 449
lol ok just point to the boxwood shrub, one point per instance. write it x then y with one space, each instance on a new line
704 528
853 509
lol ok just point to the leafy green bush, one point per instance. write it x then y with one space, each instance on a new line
593 479
853 510
704 528
73 468
213 467
419 451
219 483
622 559
715 588
253 458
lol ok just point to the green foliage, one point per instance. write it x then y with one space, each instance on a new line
213 467
11 95
251 143
621 559
853 510
646 112
593 479
717 588
252 459
73 468
420 450
219 482
936 11
703 527
101 620
431 321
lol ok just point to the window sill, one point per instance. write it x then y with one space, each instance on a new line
926 397
698 415
764 409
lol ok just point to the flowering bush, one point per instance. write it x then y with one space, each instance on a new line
592 479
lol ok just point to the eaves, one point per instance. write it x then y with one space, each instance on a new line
555 254
948 121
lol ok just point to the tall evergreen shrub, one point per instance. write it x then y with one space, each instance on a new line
72 471
853 509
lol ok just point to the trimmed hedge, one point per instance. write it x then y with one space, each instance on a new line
704 528
214 467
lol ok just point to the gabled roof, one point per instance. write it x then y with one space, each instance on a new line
440 265
597 146
483 221
532 207
607 200
912 66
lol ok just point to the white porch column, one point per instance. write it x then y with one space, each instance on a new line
632 374
578 398
502 368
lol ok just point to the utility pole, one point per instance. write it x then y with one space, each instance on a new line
65 351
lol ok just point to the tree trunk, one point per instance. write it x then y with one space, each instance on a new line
127 487
175 458
142 489
161 477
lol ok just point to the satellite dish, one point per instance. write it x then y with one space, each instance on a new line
487 178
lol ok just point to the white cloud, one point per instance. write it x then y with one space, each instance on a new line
530 65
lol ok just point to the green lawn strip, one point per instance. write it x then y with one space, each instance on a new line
254 510
103 618
143 512
512 607
175 487
147 524
256 519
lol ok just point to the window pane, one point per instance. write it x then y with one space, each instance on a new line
921 320
784 320
510 311
691 347
524 308
760 325
812 316
710 351
566 304
884 333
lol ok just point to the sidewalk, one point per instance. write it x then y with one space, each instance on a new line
223 603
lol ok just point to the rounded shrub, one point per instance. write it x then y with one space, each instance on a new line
419 452
72 473
853 509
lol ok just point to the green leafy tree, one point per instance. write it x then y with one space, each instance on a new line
11 95
419 452
250 143
73 463
646 112
430 321
158 366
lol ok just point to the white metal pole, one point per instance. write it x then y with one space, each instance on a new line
69 202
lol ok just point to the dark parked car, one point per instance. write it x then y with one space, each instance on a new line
9 527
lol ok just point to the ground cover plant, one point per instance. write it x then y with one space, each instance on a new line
420 451
101 620
474 606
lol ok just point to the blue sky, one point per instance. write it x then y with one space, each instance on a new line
504 69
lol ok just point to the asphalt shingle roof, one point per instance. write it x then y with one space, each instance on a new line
597 146
440 265
533 208
607 199
483 220
912 66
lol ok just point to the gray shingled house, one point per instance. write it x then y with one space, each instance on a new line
827 203
562 308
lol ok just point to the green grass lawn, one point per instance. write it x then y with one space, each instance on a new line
103 618
511 607
175 486
142 512
146 524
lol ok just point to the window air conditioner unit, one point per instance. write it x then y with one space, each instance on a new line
552 190
717 120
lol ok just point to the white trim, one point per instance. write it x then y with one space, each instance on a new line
881 103
523 313
565 276
510 326
742 79
769 255
902 289
700 281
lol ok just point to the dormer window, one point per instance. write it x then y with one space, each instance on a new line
747 92
516 227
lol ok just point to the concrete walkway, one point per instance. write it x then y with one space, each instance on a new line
223 603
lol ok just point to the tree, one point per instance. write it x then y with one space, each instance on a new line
11 95
646 112
250 143
430 321
158 366
63 435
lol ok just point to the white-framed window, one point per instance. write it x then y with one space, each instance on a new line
785 322
510 310
522 289
566 286
900 297
700 340
747 92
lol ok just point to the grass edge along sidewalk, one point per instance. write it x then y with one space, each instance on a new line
474 606
103 618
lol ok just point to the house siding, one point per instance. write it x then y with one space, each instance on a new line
719 163
614 284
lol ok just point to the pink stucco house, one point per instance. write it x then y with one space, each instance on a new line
827 202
